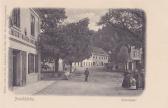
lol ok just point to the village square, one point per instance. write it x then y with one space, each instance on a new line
86 52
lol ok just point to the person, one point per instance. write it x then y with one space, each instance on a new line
126 80
132 83
138 79
86 74
143 78
67 73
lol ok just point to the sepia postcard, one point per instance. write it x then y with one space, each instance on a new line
83 53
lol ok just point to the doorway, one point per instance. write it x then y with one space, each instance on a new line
19 65
15 68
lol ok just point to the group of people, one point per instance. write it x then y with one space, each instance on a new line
133 80
67 74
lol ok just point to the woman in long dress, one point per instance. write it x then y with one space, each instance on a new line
126 80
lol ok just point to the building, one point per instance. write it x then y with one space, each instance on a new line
23 57
135 59
133 62
98 59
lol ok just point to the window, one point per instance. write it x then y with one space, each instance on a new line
32 25
36 63
30 63
16 17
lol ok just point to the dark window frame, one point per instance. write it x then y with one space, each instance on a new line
32 25
31 63
36 64
16 17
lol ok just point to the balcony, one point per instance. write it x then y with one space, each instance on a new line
14 31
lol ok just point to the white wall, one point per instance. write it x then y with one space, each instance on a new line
90 61
25 16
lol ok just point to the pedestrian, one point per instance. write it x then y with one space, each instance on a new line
86 74
67 74
126 80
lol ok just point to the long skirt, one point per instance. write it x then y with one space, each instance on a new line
126 82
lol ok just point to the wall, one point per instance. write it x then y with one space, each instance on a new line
26 23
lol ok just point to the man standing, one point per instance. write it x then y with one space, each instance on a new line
86 74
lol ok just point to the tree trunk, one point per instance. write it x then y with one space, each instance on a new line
70 67
124 64
56 64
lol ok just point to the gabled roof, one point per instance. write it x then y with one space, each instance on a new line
99 51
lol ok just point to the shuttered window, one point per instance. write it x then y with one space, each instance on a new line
16 17
30 63
32 25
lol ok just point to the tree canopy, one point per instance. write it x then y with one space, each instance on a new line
76 45
130 21
121 27
50 32
70 42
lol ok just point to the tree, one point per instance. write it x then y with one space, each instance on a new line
122 27
51 32
69 42
128 20
123 56
76 45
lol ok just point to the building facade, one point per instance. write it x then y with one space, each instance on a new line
23 57
98 59
135 59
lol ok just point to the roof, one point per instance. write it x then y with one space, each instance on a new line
99 51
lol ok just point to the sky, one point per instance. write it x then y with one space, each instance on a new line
94 15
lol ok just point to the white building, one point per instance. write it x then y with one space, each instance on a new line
23 57
98 59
